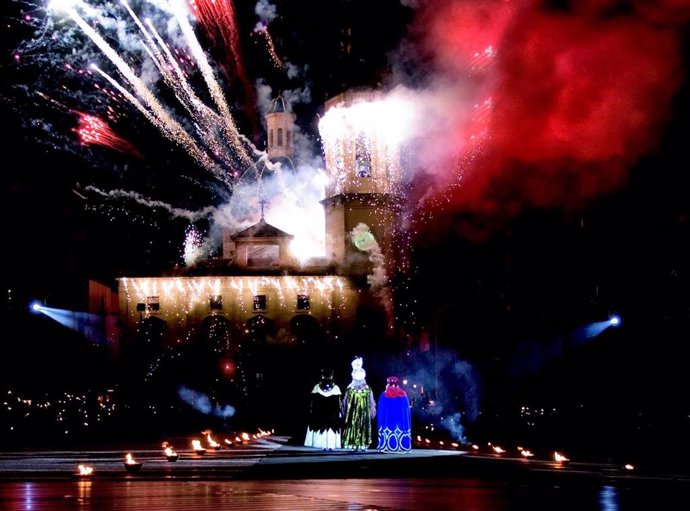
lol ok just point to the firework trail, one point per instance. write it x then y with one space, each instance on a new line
94 130
217 17
262 30
207 72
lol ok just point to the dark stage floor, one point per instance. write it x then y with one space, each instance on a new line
271 473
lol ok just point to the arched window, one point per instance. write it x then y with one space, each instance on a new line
362 156
288 138
270 138
280 137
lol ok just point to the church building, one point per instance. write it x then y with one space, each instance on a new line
257 299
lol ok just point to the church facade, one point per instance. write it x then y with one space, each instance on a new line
257 281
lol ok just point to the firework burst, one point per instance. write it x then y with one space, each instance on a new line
192 246
130 56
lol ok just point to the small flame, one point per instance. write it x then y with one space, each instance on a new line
245 437
85 470
212 442
560 458
130 459
497 449
169 452
628 466
196 445
526 453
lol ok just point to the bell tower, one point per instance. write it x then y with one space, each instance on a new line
364 182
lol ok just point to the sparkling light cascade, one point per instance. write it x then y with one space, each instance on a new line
215 143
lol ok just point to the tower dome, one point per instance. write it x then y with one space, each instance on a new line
278 105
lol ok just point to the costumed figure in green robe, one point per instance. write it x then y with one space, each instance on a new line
359 408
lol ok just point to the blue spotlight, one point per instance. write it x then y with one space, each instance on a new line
615 320
36 306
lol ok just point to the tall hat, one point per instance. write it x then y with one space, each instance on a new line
358 373
392 380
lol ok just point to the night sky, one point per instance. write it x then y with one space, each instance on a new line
549 171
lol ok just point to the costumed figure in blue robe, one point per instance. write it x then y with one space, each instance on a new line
324 427
359 408
394 419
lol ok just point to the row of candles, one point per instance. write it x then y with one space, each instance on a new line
132 465
558 457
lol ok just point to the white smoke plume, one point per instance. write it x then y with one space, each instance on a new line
378 279
202 403
192 216
455 387
266 11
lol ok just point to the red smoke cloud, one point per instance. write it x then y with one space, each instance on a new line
565 100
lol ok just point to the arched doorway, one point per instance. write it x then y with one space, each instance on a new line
141 356
307 331
259 329
310 350
211 372
258 355
148 343
216 335
217 339
151 333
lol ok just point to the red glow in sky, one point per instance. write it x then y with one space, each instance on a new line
577 96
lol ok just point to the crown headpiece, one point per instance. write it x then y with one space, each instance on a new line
358 373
